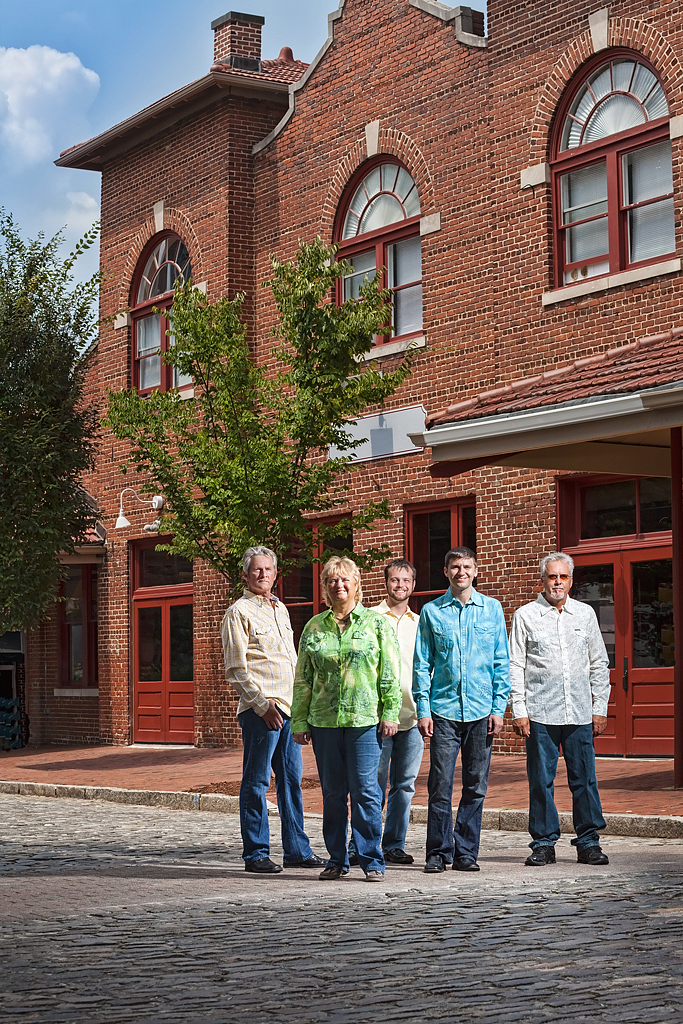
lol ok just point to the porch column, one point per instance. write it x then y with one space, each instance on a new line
677 530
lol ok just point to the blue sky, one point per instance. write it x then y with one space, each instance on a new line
69 69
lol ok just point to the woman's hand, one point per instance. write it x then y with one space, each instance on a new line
302 738
387 729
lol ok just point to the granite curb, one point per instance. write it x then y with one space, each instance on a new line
644 826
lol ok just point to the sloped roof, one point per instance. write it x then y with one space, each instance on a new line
278 70
651 362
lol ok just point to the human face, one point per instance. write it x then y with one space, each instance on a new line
261 575
460 573
556 590
341 589
400 585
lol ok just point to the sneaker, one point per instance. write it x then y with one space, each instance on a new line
540 856
592 855
374 876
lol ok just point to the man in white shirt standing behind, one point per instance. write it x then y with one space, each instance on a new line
559 671
401 755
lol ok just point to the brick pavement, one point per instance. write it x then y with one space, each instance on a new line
626 785
118 915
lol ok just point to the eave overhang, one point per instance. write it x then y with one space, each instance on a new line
93 154
607 433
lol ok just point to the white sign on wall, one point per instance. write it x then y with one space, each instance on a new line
385 434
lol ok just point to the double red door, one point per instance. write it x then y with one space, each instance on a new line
632 594
163 671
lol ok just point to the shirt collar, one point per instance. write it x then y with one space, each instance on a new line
546 606
355 614
476 598
250 596
386 610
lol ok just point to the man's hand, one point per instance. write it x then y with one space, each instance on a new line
302 738
272 717
495 725
599 725
425 727
522 726
387 729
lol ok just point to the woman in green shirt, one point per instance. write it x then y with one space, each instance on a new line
347 696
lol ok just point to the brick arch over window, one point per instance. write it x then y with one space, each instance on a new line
623 32
178 223
391 143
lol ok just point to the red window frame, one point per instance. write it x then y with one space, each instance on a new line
88 624
317 604
569 502
140 311
379 240
414 535
610 150
145 593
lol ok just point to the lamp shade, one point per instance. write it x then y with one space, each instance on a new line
121 522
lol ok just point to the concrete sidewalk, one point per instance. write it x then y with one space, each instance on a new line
638 796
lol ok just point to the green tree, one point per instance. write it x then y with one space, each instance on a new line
46 430
245 461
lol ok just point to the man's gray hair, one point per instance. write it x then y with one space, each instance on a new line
557 556
253 553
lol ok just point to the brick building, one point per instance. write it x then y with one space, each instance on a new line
521 189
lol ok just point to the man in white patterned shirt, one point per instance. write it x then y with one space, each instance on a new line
559 671
258 648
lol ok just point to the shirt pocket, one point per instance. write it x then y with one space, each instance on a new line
483 638
443 639
539 646
266 638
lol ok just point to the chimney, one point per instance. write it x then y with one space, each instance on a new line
237 40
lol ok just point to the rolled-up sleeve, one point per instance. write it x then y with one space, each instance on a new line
423 668
235 639
518 637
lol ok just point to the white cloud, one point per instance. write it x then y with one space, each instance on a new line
44 97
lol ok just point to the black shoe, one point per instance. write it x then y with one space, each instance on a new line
398 857
465 864
434 864
592 855
311 862
331 872
353 860
264 866
540 856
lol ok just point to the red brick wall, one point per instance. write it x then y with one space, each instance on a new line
465 122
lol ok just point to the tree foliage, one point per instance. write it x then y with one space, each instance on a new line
247 459
46 432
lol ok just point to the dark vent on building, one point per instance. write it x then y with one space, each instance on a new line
243 63
472 21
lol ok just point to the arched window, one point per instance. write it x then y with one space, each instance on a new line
157 273
379 226
612 178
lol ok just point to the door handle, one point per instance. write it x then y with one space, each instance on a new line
624 678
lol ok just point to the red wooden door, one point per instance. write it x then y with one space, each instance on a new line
164 688
631 592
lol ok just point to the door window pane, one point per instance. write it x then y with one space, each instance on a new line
594 585
159 569
655 505
653 629
73 616
149 644
181 642
608 510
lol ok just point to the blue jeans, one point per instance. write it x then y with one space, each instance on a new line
401 758
265 748
347 762
474 743
542 751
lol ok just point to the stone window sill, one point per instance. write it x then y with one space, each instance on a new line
393 348
602 284
71 691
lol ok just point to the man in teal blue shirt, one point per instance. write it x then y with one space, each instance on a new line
461 684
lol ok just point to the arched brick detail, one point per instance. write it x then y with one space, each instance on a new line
391 143
627 32
174 220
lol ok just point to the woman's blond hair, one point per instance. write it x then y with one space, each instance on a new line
340 564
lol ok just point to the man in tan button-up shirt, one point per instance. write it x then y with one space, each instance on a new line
258 648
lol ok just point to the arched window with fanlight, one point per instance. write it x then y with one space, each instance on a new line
161 265
379 227
612 174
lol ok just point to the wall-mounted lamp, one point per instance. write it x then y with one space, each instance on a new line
156 503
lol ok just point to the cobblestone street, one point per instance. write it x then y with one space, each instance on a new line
123 914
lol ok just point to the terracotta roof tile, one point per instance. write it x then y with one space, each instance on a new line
273 71
650 362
